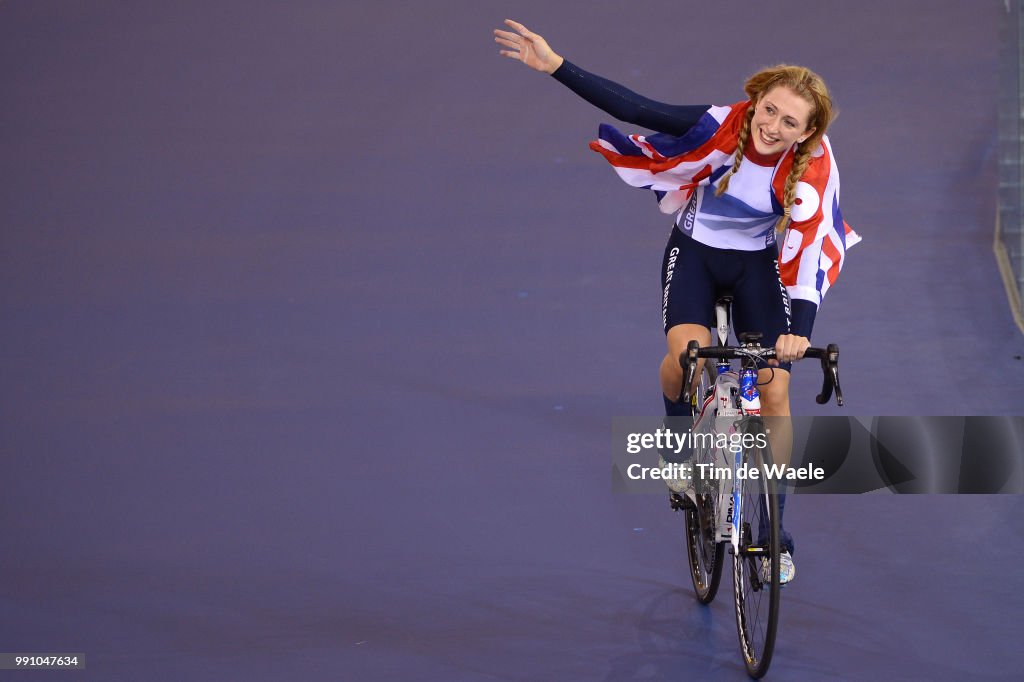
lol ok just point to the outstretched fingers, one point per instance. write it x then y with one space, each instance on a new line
519 45
516 51
520 29
505 40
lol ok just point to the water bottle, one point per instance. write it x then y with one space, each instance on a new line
750 400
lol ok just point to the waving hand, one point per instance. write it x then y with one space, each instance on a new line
527 47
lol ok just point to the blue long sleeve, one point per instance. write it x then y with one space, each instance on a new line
626 105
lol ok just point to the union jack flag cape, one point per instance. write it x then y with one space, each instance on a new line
815 245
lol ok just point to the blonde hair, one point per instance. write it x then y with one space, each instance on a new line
806 84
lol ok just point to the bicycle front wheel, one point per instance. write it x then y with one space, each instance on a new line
756 566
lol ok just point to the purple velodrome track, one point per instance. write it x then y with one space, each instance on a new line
315 317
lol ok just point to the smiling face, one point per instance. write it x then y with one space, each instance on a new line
780 119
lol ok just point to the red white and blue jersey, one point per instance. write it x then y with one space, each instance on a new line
683 171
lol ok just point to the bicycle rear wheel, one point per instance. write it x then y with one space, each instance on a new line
704 553
756 565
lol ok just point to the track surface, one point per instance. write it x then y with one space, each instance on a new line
315 316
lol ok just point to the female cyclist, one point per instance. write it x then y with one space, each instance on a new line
734 176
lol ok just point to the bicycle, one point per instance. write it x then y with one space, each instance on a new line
730 510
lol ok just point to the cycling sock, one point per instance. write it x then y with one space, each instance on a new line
676 409
786 543
785 539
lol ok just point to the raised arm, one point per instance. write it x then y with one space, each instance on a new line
532 50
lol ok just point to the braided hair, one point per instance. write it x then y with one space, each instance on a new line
741 143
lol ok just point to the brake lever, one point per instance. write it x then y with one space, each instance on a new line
835 381
830 376
688 360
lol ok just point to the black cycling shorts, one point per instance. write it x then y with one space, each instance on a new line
694 274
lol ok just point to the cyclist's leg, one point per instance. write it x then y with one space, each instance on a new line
687 311
775 409
773 384
671 373
671 384
687 307
760 304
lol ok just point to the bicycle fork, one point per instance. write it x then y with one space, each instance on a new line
736 505
750 404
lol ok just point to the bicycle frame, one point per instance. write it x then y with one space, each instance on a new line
729 407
